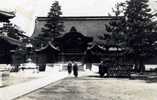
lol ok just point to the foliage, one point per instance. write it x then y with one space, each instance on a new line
138 22
54 24
133 28
117 25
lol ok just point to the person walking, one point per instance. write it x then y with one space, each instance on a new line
75 70
69 68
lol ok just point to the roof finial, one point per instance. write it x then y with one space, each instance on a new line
73 29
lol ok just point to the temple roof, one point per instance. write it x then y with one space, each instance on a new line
73 31
92 26
12 41
101 48
79 18
5 16
94 46
45 47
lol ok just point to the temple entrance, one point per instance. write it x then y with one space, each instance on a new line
73 46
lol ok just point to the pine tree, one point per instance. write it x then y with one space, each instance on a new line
138 28
134 29
138 20
117 25
54 24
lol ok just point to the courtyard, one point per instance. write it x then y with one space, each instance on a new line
92 87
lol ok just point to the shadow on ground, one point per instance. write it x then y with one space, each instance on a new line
147 78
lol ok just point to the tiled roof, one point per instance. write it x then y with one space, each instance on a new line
80 18
49 44
7 14
12 40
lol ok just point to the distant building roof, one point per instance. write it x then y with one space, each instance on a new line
80 18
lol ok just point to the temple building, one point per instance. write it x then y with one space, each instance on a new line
79 34
7 44
80 39
73 45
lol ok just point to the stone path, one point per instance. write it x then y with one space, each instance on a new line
40 80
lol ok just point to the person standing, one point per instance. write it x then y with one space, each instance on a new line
69 68
101 69
75 70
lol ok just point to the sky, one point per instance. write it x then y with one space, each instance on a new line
28 10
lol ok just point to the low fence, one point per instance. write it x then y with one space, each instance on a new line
121 70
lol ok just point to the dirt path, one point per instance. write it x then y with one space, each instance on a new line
93 88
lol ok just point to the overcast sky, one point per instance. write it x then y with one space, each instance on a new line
28 10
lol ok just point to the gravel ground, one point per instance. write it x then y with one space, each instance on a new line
26 76
16 78
94 88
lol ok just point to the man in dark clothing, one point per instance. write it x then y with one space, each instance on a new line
103 67
75 70
69 67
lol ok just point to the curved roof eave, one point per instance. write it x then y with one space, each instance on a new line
53 46
96 46
49 44
7 14
42 48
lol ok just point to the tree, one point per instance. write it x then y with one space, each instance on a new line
117 25
54 24
138 28
134 29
